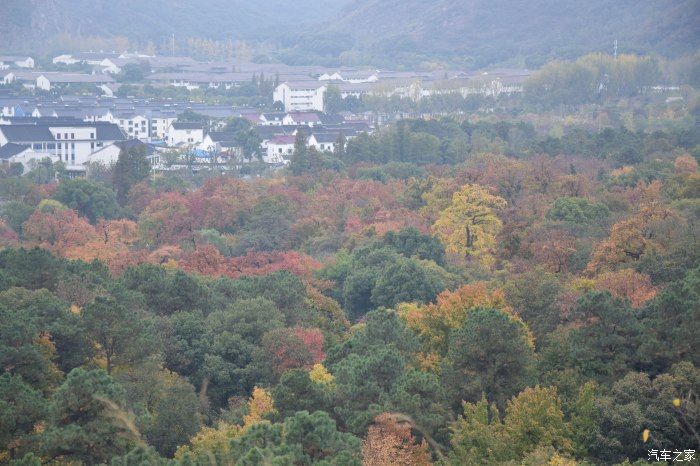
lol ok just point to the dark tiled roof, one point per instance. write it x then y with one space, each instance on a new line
283 139
108 131
329 119
135 144
223 136
10 149
188 126
26 133
326 138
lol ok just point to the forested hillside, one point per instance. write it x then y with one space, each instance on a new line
389 33
480 32
25 22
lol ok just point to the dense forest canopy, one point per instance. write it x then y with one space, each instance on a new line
445 291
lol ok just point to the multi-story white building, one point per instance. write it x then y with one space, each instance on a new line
301 95
70 141
135 126
160 123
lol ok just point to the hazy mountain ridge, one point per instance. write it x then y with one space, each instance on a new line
499 30
23 21
471 33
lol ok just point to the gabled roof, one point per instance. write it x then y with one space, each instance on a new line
326 138
299 85
76 77
11 149
95 55
331 119
26 133
107 131
283 139
183 125
135 144
223 136
277 116
304 116
13 58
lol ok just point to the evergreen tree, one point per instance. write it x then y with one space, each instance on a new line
132 167
300 158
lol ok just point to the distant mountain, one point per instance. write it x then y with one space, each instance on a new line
482 32
25 22
388 33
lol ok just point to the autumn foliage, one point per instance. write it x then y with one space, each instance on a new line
390 443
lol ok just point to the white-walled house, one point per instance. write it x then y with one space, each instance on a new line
160 121
280 148
49 80
19 153
271 119
65 59
323 141
26 78
16 62
300 96
301 118
110 154
189 134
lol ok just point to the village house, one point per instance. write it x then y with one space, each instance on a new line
301 118
280 148
272 119
109 155
185 134
323 141
301 95
7 62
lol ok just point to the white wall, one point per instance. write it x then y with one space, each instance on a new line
184 136
300 99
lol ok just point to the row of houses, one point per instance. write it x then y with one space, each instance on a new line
145 119
150 119
299 88
277 141
77 128
48 80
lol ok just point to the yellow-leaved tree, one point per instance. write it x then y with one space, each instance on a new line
469 225
210 439
434 321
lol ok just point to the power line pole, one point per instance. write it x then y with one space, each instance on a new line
615 49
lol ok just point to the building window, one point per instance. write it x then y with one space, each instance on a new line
72 135
58 136
92 135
